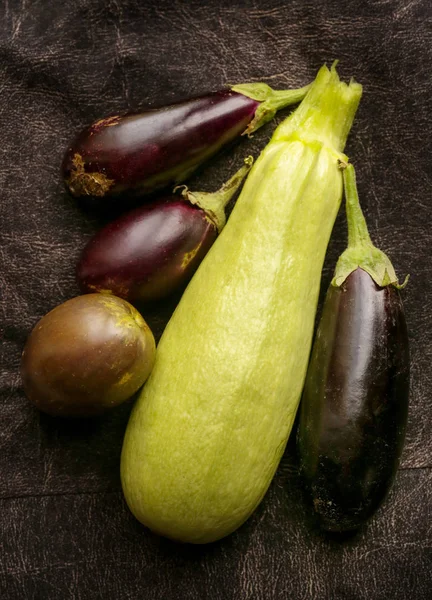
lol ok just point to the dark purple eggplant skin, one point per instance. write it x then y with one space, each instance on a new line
148 253
354 407
138 154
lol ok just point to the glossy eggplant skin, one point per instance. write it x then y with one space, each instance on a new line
355 402
146 254
138 154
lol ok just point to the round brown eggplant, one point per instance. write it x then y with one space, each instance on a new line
87 355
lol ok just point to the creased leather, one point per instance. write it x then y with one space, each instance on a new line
65 531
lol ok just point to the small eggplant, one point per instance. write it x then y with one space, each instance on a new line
355 401
86 356
137 154
148 253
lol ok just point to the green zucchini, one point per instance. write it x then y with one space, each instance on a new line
210 426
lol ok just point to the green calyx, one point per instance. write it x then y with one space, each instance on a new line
214 203
270 101
361 253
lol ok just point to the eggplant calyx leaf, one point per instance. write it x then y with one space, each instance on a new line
215 215
370 259
213 204
270 101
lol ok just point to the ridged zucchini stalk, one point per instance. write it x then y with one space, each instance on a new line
208 431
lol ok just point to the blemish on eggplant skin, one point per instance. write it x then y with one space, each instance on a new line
106 122
124 379
81 183
189 256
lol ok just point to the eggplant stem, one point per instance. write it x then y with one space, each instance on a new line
361 252
271 101
228 189
358 234
213 204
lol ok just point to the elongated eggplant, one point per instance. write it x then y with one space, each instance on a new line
149 252
355 400
137 154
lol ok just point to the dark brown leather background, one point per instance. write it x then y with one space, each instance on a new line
65 531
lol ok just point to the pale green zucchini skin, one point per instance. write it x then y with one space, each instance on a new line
211 424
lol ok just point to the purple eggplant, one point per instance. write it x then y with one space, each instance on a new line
148 253
354 407
137 154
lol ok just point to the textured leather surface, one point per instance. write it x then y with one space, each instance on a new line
65 531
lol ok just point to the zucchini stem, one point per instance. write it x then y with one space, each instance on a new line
326 114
